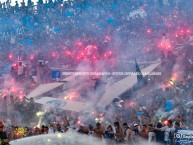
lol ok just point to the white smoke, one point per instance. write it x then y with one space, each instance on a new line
69 138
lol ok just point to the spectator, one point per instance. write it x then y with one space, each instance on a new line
3 135
46 130
168 130
143 133
51 129
109 134
37 131
83 129
98 131
128 135
59 128
118 132
151 134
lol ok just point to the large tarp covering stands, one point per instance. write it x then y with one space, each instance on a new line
111 92
43 88
64 104
123 85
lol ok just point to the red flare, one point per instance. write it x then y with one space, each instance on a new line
10 56
94 46
68 53
188 31
31 57
54 54
79 43
108 38
149 31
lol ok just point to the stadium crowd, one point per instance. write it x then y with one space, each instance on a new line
116 133
151 120
36 39
57 31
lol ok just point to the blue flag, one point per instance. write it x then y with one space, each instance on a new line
68 13
21 41
57 29
139 113
111 21
168 105
114 6
31 27
56 74
30 42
